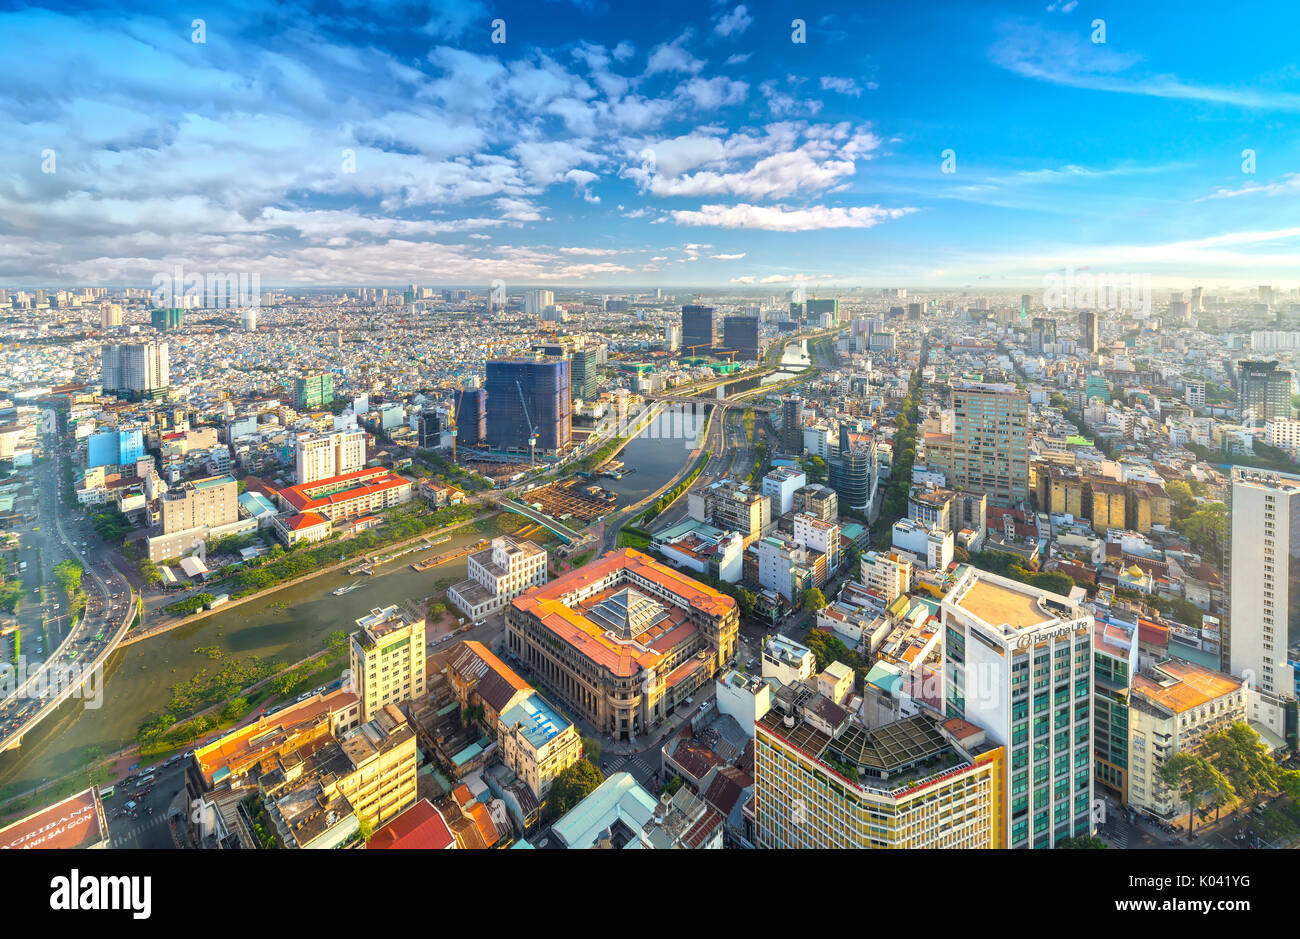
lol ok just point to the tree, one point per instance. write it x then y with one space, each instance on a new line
592 750
572 786
1196 781
364 829
1239 754
1083 841
813 599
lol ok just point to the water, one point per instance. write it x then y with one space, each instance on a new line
795 359
285 626
658 453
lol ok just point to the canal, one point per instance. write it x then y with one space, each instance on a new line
285 626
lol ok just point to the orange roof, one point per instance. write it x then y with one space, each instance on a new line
368 481
1195 686
501 668
235 746
568 621
305 520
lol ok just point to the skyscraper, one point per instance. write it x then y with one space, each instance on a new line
165 319
672 338
792 425
1042 335
1018 662
583 375
1088 332
1263 391
313 391
536 301
988 450
527 396
323 456
471 418
1263 569
135 370
699 330
429 429
740 335
816 308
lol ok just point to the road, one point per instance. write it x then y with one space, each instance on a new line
109 602
138 827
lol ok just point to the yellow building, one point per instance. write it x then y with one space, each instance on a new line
1148 505
915 783
387 659
1108 505
1060 491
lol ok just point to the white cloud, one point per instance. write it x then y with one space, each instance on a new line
844 86
712 93
780 218
727 257
672 57
733 23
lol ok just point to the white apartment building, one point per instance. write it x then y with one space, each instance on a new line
888 575
387 659
497 575
779 486
1263 567
932 547
1172 706
787 661
324 456
811 532
783 566
1194 393
1283 434
1017 661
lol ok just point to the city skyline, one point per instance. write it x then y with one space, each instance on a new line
674 147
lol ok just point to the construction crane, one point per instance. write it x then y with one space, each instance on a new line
532 431
455 416
702 345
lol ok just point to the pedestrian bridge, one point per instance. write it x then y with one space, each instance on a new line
563 532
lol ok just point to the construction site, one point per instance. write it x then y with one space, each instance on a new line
576 500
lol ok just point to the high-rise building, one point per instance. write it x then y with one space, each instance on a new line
672 338
888 574
471 418
429 429
740 335
387 659
209 502
792 425
165 319
313 391
1018 662
110 315
699 330
1263 391
854 473
1042 334
248 319
890 798
1198 300
324 456
526 397
816 308
536 302
583 367
1088 339
1263 568
988 450
732 506
136 371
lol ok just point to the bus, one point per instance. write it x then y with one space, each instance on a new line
106 792
144 782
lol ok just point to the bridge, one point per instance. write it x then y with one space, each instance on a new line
62 679
564 533
689 399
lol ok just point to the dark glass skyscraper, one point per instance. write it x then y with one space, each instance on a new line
528 393
740 335
471 418
699 328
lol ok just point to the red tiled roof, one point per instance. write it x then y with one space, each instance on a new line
368 482
420 827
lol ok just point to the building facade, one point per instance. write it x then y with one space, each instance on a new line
387 659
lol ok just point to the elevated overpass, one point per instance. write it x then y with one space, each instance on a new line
561 531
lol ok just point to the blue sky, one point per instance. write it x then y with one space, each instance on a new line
650 144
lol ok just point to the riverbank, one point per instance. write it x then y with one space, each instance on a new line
332 569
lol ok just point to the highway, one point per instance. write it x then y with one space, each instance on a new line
110 607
